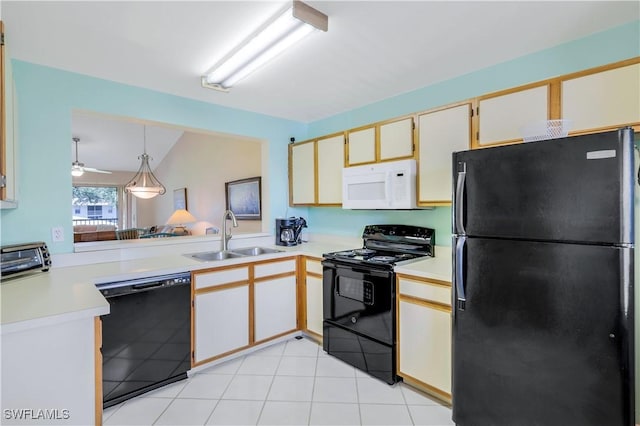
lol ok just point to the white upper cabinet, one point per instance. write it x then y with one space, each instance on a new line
502 117
362 146
302 166
8 127
603 100
396 139
440 133
315 176
330 164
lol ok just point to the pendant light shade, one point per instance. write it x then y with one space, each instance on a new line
144 184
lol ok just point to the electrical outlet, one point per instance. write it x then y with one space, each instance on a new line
57 234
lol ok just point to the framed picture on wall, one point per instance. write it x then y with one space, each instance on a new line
243 198
180 199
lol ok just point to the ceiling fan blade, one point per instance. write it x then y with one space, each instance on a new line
92 170
79 168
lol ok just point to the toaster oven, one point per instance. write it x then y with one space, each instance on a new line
22 259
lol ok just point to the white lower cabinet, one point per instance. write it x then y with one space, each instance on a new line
425 351
221 322
314 305
313 281
275 307
424 336
235 307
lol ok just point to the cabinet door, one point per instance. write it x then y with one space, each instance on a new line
603 100
396 139
8 128
221 322
314 304
501 118
362 146
302 178
425 344
440 134
275 307
330 165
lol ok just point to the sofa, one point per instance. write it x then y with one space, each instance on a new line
86 233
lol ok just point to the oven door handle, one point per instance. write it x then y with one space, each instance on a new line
370 271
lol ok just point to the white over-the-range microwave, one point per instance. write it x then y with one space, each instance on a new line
390 185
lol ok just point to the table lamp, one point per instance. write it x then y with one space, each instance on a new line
179 218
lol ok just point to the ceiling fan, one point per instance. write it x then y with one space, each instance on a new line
78 168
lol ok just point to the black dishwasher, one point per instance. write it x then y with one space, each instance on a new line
146 338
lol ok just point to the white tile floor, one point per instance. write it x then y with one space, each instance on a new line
290 383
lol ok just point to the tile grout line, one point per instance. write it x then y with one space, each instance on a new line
358 397
223 392
406 404
313 387
273 378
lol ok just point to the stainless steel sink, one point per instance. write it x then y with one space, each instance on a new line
255 251
231 254
215 255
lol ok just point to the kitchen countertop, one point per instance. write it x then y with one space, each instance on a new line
438 267
69 293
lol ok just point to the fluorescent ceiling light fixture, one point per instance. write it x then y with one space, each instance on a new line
281 32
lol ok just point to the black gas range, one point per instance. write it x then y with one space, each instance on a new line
359 296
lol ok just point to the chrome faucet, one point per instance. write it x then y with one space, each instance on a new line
226 234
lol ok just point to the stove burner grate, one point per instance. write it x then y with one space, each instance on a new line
347 253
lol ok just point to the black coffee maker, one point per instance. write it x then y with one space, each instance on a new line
289 231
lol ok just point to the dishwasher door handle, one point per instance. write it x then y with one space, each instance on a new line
147 286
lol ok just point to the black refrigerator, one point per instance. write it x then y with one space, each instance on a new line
543 283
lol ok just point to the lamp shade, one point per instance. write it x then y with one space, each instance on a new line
180 217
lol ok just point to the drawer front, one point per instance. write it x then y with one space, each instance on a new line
314 266
274 268
225 276
425 290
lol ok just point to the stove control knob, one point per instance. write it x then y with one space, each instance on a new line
353 320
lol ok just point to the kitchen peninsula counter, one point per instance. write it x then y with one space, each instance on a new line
69 292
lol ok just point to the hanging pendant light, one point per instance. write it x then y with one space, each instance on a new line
144 184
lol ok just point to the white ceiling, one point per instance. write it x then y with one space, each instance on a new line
373 49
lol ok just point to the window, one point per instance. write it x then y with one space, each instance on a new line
94 205
94 212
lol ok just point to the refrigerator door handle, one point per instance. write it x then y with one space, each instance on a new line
461 299
459 200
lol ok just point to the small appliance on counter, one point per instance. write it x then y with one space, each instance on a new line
22 259
289 231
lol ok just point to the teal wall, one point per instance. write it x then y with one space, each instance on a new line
602 48
46 97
